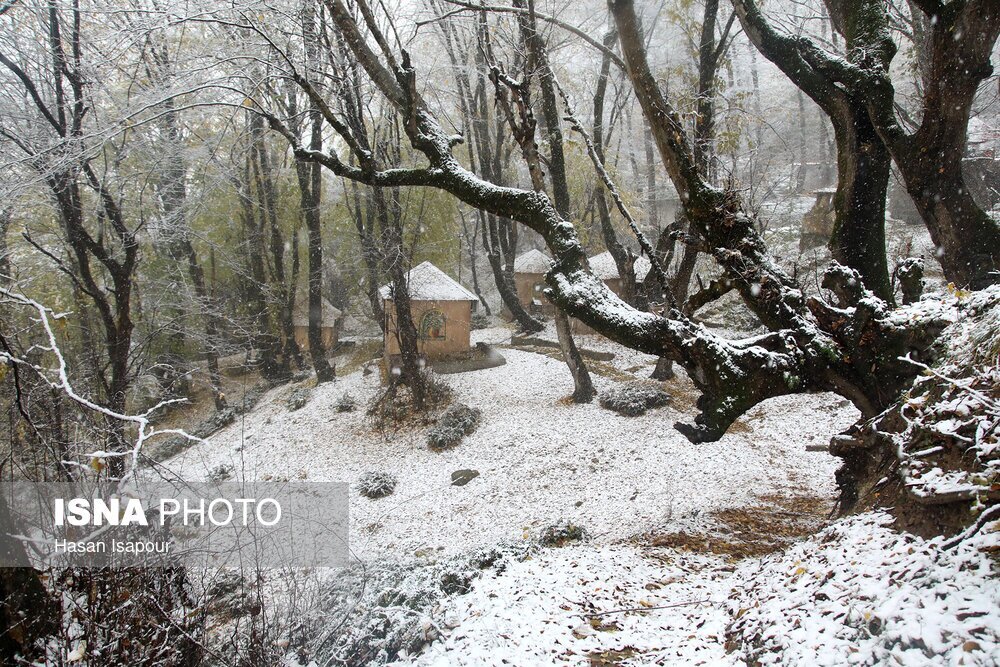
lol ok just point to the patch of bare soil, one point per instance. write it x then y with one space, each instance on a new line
753 531
611 658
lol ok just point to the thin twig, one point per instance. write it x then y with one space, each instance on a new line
612 188
666 606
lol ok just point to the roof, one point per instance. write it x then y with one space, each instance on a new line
300 316
603 266
429 283
533 261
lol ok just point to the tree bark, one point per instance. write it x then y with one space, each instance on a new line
863 165
583 386
930 159
310 179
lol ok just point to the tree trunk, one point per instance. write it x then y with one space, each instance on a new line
583 388
863 168
390 216
486 153
266 340
624 259
470 244
180 248
583 391
310 194
930 159
863 164
494 229
284 285
5 272
364 222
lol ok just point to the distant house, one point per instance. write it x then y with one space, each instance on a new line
529 279
603 266
442 312
818 222
329 323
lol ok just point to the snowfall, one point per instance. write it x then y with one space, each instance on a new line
851 591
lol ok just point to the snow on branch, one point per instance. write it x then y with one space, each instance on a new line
58 379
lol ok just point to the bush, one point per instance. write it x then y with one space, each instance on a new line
388 608
297 399
634 398
454 424
561 534
480 321
393 406
346 403
221 473
376 485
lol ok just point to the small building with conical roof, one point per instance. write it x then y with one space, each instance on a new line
329 325
441 309
529 279
603 266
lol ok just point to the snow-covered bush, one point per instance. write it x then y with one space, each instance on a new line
220 473
632 399
374 614
346 403
297 399
375 484
480 321
561 534
455 423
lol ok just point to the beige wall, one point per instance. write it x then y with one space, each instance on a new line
302 337
525 284
458 325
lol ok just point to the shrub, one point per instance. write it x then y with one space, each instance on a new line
376 485
346 403
634 398
561 534
297 399
220 473
391 607
480 321
393 405
454 424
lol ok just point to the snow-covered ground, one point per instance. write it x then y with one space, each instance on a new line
856 593
580 605
540 458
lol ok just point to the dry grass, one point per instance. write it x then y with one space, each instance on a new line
364 351
752 531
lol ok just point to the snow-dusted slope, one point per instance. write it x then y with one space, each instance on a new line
540 459
857 593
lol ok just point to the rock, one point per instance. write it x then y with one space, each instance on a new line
147 392
463 477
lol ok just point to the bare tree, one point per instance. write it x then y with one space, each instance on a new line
100 265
